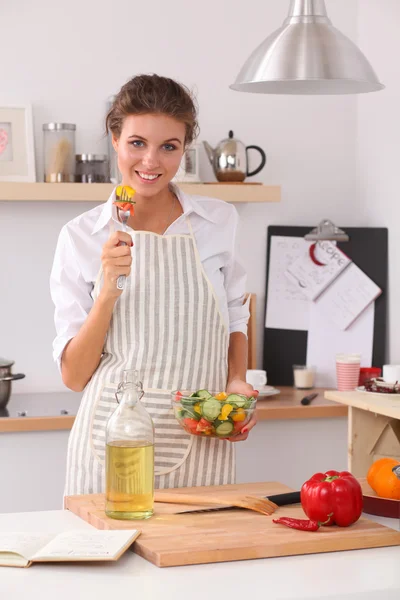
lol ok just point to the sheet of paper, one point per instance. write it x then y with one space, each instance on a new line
287 307
311 278
26 544
85 544
325 340
347 297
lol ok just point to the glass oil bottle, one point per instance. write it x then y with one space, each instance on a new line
130 454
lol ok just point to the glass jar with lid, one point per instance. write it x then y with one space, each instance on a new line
92 168
59 152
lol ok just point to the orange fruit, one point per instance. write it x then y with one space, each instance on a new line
382 479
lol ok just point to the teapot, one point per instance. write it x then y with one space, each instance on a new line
229 159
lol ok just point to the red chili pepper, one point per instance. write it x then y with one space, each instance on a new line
302 524
334 495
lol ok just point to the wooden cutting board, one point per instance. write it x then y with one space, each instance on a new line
187 539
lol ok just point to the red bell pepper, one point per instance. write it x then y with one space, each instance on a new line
332 498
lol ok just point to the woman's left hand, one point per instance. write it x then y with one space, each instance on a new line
238 386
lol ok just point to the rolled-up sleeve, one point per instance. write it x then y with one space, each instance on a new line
235 286
70 294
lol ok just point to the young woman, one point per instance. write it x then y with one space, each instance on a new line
181 320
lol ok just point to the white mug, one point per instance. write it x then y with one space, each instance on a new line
391 373
256 377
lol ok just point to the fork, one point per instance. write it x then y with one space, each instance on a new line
124 216
261 505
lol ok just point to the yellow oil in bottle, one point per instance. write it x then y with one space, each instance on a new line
129 479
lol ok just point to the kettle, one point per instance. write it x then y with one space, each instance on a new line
229 159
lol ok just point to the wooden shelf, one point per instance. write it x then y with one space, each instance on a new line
99 192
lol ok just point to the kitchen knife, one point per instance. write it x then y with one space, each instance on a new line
279 499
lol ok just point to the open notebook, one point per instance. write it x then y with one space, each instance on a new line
23 549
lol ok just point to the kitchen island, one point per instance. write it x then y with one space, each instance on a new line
353 575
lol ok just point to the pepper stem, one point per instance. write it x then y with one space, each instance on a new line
331 478
325 522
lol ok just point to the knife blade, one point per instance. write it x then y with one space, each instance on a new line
279 499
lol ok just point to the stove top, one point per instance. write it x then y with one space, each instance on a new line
46 404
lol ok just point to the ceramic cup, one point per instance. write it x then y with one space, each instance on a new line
257 378
347 371
391 373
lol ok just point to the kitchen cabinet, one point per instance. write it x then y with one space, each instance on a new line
374 427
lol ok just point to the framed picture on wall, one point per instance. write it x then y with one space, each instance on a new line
189 170
17 152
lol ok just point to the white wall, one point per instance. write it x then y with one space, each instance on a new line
378 135
67 58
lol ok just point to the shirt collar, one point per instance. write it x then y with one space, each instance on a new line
189 204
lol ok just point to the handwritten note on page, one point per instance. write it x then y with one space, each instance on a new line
287 307
311 278
347 297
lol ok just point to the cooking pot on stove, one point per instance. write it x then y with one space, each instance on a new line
6 377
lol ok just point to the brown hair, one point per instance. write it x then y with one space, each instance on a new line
154 94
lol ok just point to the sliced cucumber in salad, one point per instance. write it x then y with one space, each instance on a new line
210 409
236 399
219 415
204 394
192 413
224 428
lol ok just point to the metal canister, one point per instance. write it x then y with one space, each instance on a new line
92 168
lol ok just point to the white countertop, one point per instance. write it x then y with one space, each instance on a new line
357 574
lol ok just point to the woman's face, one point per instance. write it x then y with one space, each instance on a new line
150 150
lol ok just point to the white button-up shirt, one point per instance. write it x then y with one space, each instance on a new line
77 261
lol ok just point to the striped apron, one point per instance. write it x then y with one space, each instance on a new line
167 325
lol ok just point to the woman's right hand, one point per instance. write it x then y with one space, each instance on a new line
116 261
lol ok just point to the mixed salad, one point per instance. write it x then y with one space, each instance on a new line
219 415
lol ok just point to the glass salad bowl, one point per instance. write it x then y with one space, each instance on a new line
212 414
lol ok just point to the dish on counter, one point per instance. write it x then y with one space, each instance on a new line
380 387
375 505
212 414
267 390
